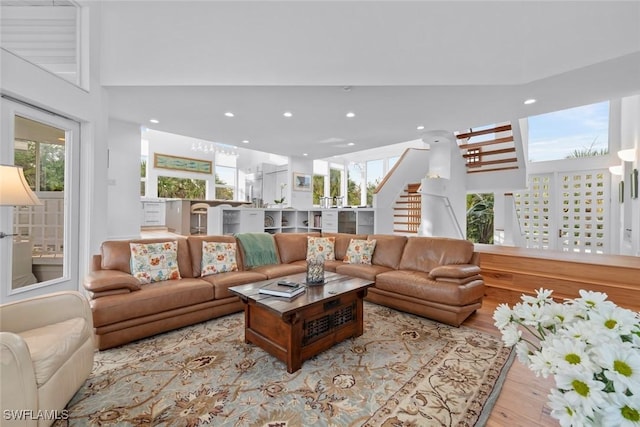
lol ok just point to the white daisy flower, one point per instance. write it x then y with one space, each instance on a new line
623 411
621 365
570 354
582 390
511 335
502 316
565 412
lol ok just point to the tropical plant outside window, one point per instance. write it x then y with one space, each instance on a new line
318 188
182 188
354 187
143 177
42 163
480 218
335 182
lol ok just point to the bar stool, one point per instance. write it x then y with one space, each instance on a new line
200 209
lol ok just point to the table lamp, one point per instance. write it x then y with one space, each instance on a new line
14 190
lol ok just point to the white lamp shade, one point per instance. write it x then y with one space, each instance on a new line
14 189
628 155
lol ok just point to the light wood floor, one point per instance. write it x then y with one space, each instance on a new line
523 397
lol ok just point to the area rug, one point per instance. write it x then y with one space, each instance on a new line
403 371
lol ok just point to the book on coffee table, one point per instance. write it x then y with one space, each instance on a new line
288 291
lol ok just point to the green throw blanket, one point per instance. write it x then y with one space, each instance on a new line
258 249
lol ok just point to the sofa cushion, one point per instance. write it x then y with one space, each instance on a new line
218 258
364 271
417 284
321 246
292 246
389 249
279 270
154 262
342 241
116 255
52 345
151 299
223 281
360 251
333 264
426 253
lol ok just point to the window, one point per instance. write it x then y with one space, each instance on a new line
576 132
46 146
225 176
355 179
318 188
335 182
392 161
43 34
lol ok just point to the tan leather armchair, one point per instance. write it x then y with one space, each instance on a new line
46 354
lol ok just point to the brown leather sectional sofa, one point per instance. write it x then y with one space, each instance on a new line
437 278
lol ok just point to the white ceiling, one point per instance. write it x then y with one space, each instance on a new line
444 65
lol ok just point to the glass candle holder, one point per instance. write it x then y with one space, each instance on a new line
315 270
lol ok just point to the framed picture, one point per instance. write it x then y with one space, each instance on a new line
166 161
301 182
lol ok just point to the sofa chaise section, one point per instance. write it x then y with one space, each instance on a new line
438 278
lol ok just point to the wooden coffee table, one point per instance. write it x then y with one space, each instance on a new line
298 329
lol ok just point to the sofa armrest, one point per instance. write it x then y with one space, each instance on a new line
100 281
18 389
454 271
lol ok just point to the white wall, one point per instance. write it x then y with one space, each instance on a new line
300 199
630 212
123 195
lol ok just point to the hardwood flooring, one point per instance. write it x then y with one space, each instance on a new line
522 401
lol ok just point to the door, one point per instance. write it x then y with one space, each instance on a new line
42 255
567 211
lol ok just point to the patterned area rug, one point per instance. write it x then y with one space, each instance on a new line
404 371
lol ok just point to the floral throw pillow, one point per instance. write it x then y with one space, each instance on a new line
154 262
360 251
218 257
321 246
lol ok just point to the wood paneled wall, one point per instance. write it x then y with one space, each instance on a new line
510 272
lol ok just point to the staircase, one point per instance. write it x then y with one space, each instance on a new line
488 149
407 211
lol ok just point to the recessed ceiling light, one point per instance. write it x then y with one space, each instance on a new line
245 141
351 114
287 114
229 114
305 154
420 127
529 101
351 144
154 120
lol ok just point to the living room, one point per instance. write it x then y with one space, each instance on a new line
326 50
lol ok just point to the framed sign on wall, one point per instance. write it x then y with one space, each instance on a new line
166 161
301 182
